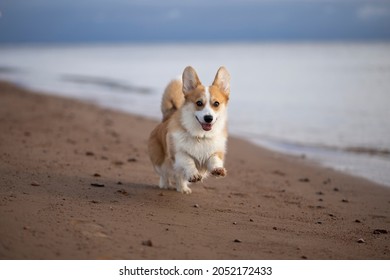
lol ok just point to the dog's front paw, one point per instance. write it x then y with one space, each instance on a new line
219 172
195 178
186 190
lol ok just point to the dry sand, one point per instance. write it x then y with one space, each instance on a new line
270 206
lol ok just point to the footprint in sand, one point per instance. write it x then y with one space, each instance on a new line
89 229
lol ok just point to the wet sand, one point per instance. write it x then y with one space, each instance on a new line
76 183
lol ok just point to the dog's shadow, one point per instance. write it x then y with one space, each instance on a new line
120 190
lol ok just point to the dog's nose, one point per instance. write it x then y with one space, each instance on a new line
208 118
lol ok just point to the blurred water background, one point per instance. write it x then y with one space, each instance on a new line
329 101
309 77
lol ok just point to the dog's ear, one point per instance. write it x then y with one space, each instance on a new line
222 80
190 80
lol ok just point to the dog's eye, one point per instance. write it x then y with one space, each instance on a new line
199 103
216 104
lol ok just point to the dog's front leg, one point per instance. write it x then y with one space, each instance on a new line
185 171
215 165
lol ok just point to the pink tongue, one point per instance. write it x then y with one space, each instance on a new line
206 126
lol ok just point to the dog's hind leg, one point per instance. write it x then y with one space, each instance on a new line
164 182
165 172
181 183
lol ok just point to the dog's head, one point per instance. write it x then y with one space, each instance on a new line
204 109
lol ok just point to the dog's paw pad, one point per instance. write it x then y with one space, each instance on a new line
195 178
219 172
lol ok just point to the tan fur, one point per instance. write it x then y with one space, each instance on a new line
221 80
158 144
220 154
195 95
172 100
218 95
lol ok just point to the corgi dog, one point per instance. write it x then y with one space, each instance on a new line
190 142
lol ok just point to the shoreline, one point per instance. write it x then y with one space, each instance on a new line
337 158
278 206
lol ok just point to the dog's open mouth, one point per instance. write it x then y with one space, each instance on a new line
205 126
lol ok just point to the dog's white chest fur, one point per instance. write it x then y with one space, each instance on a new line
200 149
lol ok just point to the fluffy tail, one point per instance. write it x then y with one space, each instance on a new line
172 99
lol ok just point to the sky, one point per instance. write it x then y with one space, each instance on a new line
60 21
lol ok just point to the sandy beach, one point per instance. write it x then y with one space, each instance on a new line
76 183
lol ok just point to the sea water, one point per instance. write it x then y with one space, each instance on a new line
328 101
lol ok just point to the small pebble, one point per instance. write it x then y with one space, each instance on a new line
147 243
361 240
89 153
234 223
122 191
327 181
304 180
98 185
237 240
119 183
380 231
251 220
278 172
336 189
96 175
132 160
357 221
319 223
320 193
196 205
345 200
35 184
275 228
